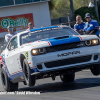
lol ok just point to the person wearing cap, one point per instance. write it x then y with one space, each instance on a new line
91 26
30 26
79 26
10 34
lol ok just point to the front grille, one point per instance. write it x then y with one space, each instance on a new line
68 61
65 46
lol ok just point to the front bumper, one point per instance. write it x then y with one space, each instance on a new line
67 59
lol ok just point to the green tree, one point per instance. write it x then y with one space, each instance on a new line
62 7
83 10
81 3
51 5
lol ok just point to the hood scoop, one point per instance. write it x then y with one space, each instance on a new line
63 37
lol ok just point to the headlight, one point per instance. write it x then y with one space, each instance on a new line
34 52
92 42
38 51
95 42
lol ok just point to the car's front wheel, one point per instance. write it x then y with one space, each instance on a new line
95 69
67 77
7 84
29 79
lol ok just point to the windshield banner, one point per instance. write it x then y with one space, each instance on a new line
19 22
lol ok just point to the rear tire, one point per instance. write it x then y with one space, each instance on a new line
7 84
67 77
95 69
30 80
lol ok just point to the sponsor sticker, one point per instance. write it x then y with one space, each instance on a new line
27 55
1 61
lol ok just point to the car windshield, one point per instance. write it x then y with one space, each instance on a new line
46 33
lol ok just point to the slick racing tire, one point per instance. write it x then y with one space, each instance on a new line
29 79
67 77
95 69
7 84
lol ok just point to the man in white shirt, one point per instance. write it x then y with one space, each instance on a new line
30 26
10 34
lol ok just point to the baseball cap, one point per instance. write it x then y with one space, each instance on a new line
88 15
30 23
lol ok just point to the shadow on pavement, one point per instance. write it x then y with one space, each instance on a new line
60 86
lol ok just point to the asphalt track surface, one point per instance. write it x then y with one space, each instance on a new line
85 87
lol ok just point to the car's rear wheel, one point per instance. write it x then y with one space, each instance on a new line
29 79
95 69
7 84
67 77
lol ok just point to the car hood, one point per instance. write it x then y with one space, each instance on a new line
60 40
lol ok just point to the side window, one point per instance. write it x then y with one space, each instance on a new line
13 44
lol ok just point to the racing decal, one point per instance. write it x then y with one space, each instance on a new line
71 39
69 53
3 58
27 55
80 38
16 72
44 29
16 75
49 43
13 75
1 61
4 65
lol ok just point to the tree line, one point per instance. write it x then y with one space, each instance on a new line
60 8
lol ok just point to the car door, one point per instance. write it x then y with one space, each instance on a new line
12 56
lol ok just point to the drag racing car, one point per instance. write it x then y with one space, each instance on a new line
48 52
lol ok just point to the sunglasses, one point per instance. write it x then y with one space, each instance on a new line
10 29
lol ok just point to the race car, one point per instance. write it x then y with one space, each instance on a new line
48 52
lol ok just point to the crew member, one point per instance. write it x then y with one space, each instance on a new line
10 34
91 26
30 26
79 26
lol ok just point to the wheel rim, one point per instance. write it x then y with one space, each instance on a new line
3 79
